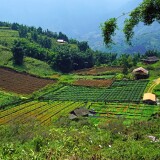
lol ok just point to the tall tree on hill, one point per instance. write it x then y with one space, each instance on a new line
63 36
15 26
39 30
147 12
34 36
18 53
23 31
83 46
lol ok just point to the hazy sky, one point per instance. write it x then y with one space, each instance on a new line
19 9
59 14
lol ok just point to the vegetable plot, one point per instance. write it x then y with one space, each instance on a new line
120 91
126 111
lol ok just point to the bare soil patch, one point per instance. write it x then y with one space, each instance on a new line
94 83
99 70
21 83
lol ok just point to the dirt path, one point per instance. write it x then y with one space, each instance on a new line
154 84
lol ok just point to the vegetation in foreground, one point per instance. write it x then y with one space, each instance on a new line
81 139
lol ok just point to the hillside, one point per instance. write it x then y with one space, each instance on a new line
84 29
30 65
66 101
43 45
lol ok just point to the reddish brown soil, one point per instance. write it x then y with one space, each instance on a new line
94 83
98 70
21 83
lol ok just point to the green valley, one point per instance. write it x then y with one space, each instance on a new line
61 100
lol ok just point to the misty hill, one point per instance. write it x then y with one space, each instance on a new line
81 20
145 38
56 49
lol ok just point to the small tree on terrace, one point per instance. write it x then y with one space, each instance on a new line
18 53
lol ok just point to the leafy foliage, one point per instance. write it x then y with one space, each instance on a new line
147 12
108 30
80 140
7 99
83 46
18 53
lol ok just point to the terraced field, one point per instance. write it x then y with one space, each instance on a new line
60 100
7 36
21 83
126 111
94 83
41 112
99 70
120 91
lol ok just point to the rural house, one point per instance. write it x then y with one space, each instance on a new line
149 98
140 73
150 60
61 41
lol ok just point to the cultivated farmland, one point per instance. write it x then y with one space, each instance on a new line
120 91
42 112
21 83
99 70
126 111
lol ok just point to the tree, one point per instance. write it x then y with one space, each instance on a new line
126 61
23 31
83 46
62 36
147 12
39 30
15 26
18 53
34 36
45 42
62 61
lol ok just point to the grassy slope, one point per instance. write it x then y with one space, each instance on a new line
8 98
31 65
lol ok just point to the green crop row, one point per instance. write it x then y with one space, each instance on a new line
127 111
120 91
42 112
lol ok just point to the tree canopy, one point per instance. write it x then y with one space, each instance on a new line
18 53
147 12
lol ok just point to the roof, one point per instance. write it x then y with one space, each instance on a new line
81 112
149 96
140 70
60 40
